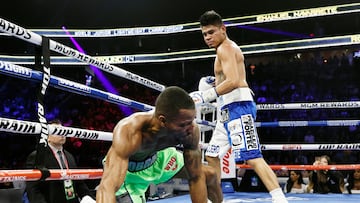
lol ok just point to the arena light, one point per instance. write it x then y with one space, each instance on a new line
277 32
101 77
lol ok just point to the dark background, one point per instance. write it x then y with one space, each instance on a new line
120 13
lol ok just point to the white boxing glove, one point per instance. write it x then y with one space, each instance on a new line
206 83
200 97
87 199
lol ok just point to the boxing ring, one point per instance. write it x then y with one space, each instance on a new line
240 197
9 67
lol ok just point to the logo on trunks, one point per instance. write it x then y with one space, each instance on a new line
236 139
250 132
224 115
141 165
236 132
171 165
226 162
213 149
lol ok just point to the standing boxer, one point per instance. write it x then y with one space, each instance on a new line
237 111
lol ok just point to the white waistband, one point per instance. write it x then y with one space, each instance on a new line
239 94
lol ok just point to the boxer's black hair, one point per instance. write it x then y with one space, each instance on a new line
210 18
171 100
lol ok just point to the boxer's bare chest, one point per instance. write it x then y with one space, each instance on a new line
152 144
218 70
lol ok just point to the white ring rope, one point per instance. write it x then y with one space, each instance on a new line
188 27
297 106
307 167
27 73
29 36
70 86
308 123
33 128
302 147
302 44
291 147
314 105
